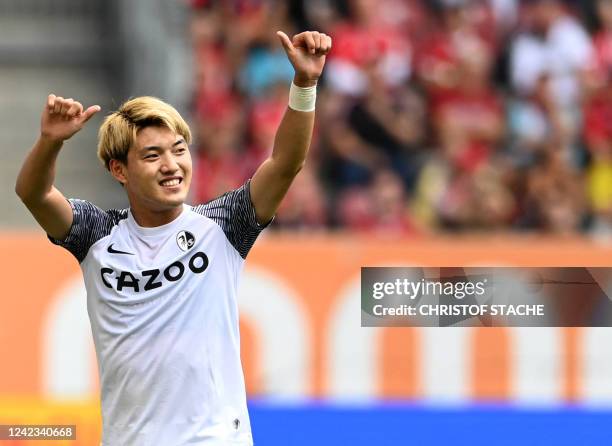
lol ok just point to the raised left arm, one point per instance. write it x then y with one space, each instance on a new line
306 52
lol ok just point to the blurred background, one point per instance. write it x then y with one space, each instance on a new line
449 133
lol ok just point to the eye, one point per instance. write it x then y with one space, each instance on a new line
150 156
180 150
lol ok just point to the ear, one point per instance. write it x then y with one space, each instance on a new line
118 169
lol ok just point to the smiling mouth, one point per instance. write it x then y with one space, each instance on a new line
171 182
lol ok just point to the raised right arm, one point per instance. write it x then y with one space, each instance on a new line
61 119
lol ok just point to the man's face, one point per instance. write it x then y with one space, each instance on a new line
543 14
604 11
158 170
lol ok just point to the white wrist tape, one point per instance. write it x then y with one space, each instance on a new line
302 98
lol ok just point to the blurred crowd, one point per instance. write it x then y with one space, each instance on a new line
439 115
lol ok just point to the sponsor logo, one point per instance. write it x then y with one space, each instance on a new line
152 278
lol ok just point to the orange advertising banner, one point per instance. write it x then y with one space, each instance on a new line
301 330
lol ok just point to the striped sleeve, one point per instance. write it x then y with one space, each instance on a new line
235 214
89 224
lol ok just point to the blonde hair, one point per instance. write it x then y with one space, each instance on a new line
118 131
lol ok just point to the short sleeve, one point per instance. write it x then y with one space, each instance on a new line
89 224
235 214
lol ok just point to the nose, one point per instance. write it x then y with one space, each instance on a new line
169 164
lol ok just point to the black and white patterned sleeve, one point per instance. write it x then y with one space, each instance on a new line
235 213
89 224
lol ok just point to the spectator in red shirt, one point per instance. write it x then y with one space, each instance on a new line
463 26
304 206
264 116
381 208
598 123
367 38
470 117
602 45
219 165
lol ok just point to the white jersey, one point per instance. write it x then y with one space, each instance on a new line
163 311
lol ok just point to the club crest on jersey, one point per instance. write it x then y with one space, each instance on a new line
185 240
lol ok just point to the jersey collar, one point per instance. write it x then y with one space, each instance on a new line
157 229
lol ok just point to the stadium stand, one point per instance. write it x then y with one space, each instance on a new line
451 115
